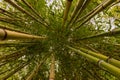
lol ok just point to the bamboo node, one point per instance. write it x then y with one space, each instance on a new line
99 62
5 35
107 60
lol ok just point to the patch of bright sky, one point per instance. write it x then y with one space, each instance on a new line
58 6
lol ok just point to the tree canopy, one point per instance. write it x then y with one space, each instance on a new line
59 39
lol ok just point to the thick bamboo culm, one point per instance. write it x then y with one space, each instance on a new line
79 5
27 3
12 35
52 68
24 11
15 70
110 68
17 53
37 68
80 19
109 33
103 57
102 7
84 5
66 11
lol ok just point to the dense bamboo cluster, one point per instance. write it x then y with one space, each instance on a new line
59 40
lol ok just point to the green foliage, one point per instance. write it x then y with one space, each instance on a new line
69 65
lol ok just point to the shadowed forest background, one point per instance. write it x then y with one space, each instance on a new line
59 39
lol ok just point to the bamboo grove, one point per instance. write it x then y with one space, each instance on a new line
59 39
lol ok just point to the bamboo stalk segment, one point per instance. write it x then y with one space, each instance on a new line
7 34
66 11
103 57
15 70
82 8
79 5
24 11
110 68
52 68
80 19
102 7
15 54
36 69
109 33
33 10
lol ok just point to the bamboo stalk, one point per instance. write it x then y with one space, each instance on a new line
12 29
109 33
85 3
17 53
15 70
24 11
7 34
103 57
66 11
82 18
76 9
102 7
110 68
52 68
34 11
9 14
36 69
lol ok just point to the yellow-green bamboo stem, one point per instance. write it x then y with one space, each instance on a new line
17 53
110 33
85 3
82 18
37 68
11 29
7 34
34 10
24 11
15 70
52 68
110 68
102 7
103 57
66 11
79 5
